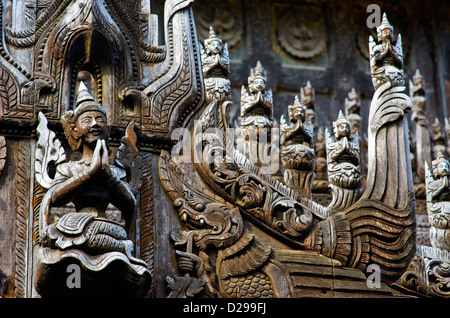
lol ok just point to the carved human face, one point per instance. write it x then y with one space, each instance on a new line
92 126
443 168
343 129
215 46
385 34
258 84
298 114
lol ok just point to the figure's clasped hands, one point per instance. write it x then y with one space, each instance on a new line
100 167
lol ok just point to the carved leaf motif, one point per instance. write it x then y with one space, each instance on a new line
128 158
8 91
49 153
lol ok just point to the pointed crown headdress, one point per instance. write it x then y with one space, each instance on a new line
384 25
257 71
212 37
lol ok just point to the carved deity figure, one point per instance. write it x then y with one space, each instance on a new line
438 138
92 183
422 127
257 116
297 149
216 68
343 164
352 111
438 201
308 98
386 57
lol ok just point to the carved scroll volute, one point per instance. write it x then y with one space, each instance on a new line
49 153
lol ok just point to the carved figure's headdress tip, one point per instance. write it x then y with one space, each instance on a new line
212 34
385 24
417 74
258 70
83 94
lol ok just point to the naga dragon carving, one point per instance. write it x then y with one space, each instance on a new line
249 235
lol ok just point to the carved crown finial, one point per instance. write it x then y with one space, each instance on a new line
417 76
212 36
83 94
384 24
257 71
86 102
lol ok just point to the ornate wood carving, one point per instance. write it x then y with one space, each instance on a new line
231 195
86 236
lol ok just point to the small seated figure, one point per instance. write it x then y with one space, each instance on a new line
216 68
439 187
256 105
308 99
343 164
386 57
438 201
297 149
91 183
297 137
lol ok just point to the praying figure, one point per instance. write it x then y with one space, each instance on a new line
297 149
91 184
386 57
216 68
343 164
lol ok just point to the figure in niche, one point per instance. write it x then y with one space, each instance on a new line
257 117
386 57
216 68
343 164
297 149
91 183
